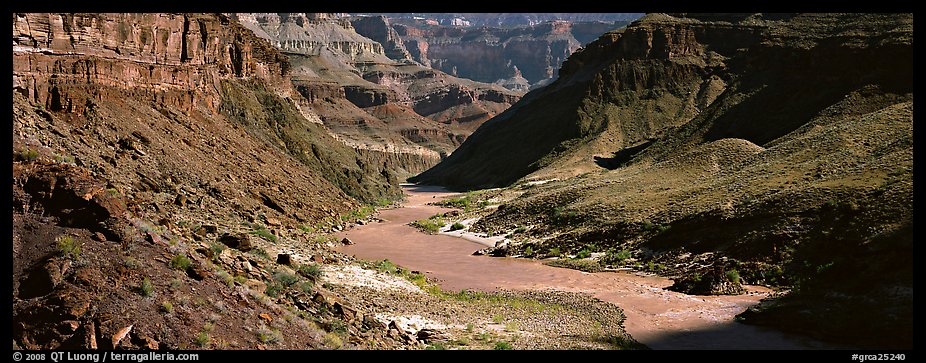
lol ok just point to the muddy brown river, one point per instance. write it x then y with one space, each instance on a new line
659 318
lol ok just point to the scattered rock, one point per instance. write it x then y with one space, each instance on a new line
347 241
256 285
285 259
266 317
370 322
68 326
714 282
180 200
238 241
453 213
273 222
120 335
428 335
90 335
197 271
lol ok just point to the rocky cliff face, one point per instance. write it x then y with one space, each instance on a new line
777 146
499 55
143 146
378 29
374 102
75 63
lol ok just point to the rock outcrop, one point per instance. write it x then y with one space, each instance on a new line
514 57
143 145
373 102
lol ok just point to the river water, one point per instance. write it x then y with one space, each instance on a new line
659 318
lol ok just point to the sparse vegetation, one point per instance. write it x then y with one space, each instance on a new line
146 288
27 154
285 278
180 262
260 252
63 159
332 340
584 253
554 252
436 346
615 258
202 339
502 345
732 275
431 225
225 277
310 270
268 335
69 246
130 262
467 203
216 248
167 307
576 264
457 226
528 251
264 233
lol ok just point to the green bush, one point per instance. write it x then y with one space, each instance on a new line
310 270
28 154
69 246
167 307
503 345
732 275
202 339
581 265
554 252
529 251
180 262
430 225
147 288
285 278
273 289
216 249
332 340
265 234
584 253
457 226
436 346
616 258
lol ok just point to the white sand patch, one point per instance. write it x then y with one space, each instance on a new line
479 238
353 275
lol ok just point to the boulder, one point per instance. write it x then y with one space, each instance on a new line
428 335
238 241
346 241
120 335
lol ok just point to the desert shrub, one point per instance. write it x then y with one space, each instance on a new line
202 339
310 270
584 253
457 226
147 288
503 345
732 275
180 262
431 225
69 246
